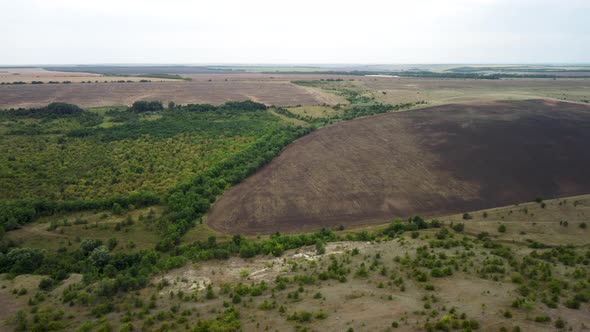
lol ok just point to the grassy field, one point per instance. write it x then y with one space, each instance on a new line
133 230
444 91
552 222
314 111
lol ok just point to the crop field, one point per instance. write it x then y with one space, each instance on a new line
431 161
204 88
271 89
40 75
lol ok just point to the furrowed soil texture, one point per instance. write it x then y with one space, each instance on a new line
433 161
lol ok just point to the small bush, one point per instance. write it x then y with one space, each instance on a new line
459 227
46 284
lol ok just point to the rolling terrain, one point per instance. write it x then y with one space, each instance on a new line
433 161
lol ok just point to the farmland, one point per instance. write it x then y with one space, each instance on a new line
431 161
309 166
28 75
204 88
136 214
281 89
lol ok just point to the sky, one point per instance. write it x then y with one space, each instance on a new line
293 32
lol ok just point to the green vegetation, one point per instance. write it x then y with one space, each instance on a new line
86 174
543 279
360 103
63 158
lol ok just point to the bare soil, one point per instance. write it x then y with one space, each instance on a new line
204 88
433 161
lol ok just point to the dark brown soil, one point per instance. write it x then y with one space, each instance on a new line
432 161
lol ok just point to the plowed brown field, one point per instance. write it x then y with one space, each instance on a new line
432 161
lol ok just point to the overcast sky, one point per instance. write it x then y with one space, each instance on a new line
300 31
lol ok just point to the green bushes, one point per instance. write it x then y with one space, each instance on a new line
15 213
227 321
458 227
22 260
542 319
146 106
224 144
301 316
190 200
51 111
46 284
320 248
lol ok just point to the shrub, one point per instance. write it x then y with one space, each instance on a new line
46 284
560 323
572 304
459 227
147 106
437 273
126 327
320 248
301 317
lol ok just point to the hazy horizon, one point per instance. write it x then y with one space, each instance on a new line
326 65
307 32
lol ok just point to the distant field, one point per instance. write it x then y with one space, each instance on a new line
204 88
28 75
432 161
444 91
269 88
